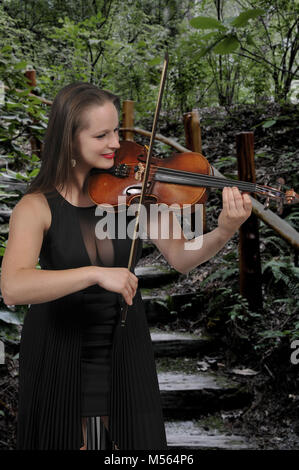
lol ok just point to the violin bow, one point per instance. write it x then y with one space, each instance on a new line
132 257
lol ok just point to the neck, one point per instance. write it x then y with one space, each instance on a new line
78 187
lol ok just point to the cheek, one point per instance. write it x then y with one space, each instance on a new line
99 144
79 144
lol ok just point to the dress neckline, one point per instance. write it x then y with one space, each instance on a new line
76 207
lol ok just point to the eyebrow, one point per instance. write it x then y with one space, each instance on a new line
106 130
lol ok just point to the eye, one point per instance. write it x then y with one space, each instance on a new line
100 136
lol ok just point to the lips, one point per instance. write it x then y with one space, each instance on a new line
108 155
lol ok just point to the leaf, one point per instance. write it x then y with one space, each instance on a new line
227 45
6 49
245 16
249 40
269 123
9 317
208 36
206 22
94 41
33 173
207 49
245 371
23 92
141 44
20 65
155 61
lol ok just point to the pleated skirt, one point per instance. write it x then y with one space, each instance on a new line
51 389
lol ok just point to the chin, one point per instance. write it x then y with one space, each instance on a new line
104 164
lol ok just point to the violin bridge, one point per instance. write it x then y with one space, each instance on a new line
139 171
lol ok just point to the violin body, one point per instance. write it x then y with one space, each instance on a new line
181 179
125 178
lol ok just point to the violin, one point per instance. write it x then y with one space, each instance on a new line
183 179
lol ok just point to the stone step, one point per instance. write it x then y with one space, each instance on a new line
163 308
150 276
191 435
173 344
194 395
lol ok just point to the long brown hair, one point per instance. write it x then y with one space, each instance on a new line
65 121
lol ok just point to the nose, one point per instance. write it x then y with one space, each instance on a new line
114 141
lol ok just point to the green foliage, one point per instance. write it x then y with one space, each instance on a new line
253 35
120 46
228 313
227 45
204 22
225 40
283 270
244 17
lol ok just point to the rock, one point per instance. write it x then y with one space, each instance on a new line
174 344
192 395
190 435
150 276
165 308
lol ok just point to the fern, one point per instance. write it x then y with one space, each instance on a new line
282 270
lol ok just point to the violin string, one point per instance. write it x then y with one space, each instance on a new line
207 180
213 181
202 177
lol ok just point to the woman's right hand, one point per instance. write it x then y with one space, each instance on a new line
119 280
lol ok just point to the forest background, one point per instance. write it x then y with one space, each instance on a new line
234 61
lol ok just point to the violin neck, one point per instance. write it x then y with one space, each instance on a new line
169 175
204 181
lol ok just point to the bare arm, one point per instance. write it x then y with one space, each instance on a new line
22 283
236 209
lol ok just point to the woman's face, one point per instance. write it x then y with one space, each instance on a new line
95 145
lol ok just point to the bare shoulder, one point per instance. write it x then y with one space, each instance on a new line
34 206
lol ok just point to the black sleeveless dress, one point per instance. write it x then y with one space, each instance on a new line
66 344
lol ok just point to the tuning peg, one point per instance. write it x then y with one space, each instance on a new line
280 181
267 203
279 206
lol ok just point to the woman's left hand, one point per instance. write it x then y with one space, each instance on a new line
236 209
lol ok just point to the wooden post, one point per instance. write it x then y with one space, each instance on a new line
128 119
249 252
31 77
192 131
36 145
193 142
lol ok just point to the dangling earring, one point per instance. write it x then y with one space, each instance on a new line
73 162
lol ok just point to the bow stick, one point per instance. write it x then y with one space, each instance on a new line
131 263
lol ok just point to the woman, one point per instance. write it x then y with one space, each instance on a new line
67 337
